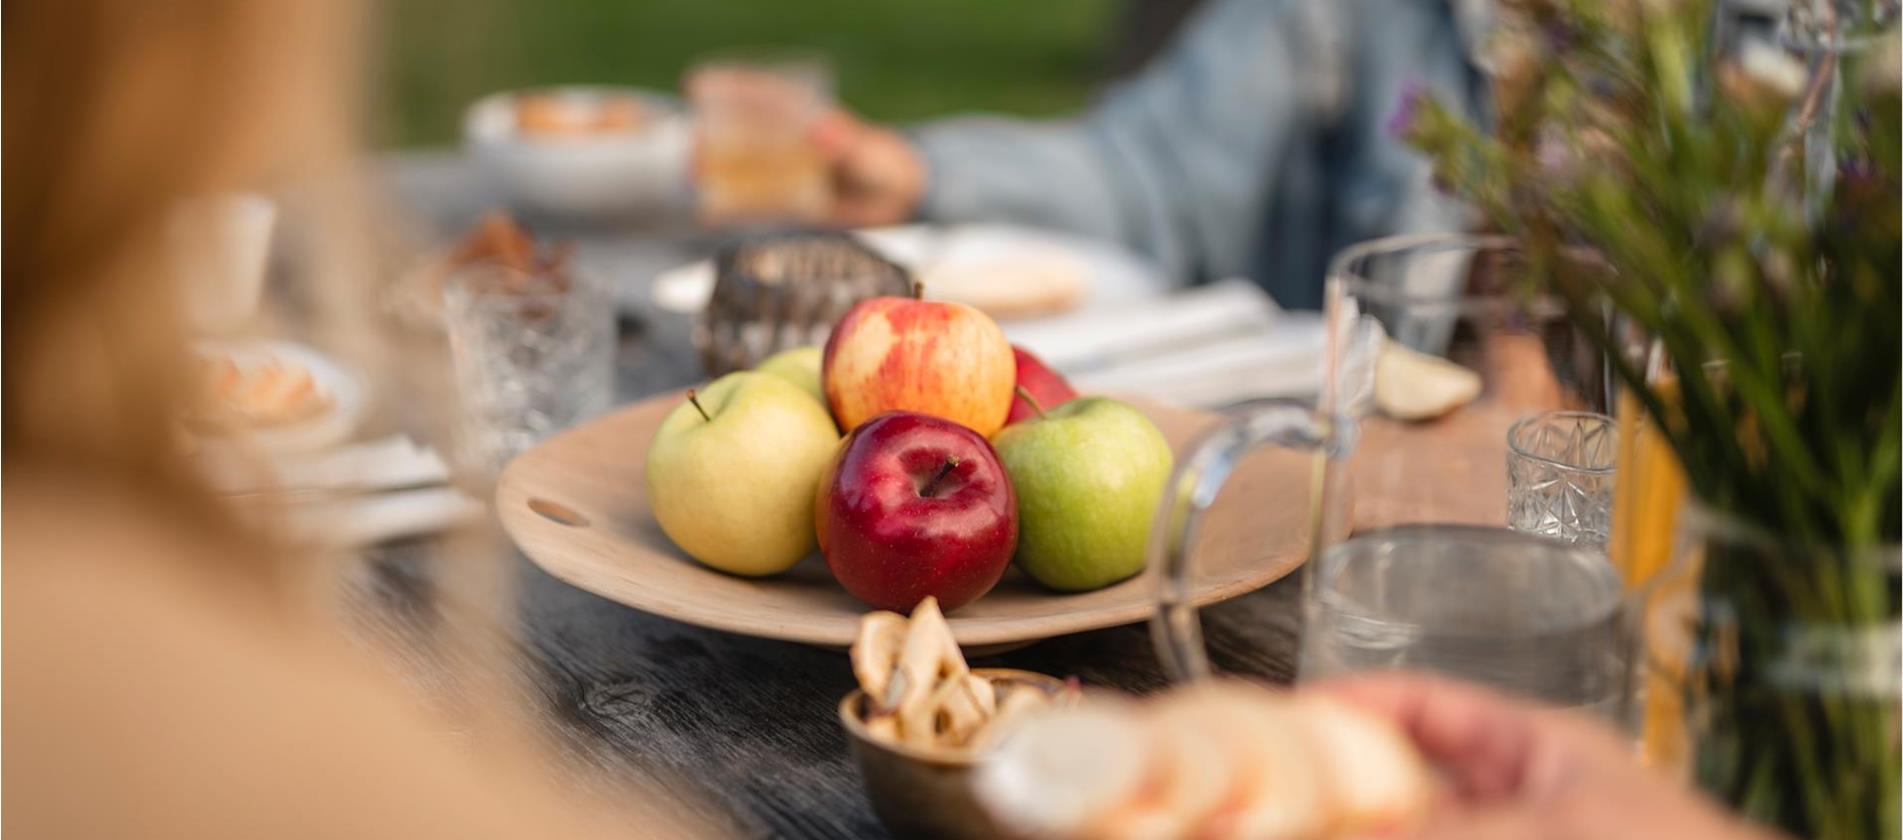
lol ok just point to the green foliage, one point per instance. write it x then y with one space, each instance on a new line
1774 296
895 61
1746 222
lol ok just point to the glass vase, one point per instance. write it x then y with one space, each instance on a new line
1785 660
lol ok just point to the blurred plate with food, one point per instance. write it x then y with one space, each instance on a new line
581 153
497 240
1009 272
278 396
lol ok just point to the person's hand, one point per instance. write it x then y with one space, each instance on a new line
878 177
1517 771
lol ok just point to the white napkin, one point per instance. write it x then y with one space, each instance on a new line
1088 340
369 519
1208 346
392 462
1284 362
358 494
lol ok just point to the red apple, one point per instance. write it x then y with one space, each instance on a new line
934 357
1043 384
916 505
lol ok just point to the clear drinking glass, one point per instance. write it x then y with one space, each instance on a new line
754 157
1560 468
1433 354
533 354
222 244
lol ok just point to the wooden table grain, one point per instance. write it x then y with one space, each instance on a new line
743 725
746 725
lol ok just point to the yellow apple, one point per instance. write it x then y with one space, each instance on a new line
799 366
731 473
933 357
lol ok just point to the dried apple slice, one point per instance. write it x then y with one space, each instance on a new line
1411 385
875 653
1194 769
1018 699
883 726
1272 793
983 693
1374 780
921 691
929 656
1067 772
1221 759
956 712
1013 703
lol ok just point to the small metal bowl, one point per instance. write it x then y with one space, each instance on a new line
921 792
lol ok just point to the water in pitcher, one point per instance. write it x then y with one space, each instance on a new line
1523 614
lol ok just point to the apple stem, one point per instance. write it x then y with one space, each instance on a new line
1032 401
951 463
918 290
697 407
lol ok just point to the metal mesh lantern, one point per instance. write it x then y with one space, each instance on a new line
778 291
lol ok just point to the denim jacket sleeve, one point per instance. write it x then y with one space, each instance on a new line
1188 162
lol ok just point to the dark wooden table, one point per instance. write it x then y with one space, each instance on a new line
746 725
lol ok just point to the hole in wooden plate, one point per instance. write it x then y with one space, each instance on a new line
558 513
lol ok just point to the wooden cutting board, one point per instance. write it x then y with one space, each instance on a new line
577 505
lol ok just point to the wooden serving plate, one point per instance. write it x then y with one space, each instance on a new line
577 505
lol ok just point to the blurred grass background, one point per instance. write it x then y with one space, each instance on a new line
895 60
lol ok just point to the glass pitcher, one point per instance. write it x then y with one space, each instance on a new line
1433 353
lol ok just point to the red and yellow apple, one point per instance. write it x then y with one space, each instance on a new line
933 357
1046 386
916 505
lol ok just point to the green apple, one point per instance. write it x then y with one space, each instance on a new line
731 472
1088 474
799 366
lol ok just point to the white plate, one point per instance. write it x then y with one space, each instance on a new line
600 176
1108 274
345 392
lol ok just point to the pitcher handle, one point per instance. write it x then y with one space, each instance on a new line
1175 627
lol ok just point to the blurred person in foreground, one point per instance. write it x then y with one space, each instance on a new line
1517 772
1255 146
169 670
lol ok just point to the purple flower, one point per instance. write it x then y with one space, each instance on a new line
1856 168
1554 155
1560 34
1401 119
